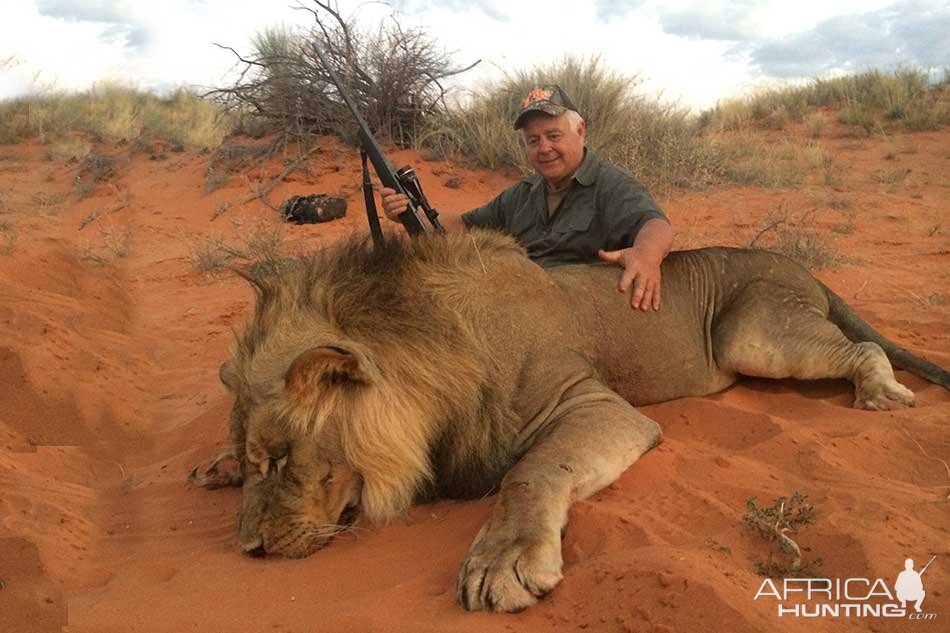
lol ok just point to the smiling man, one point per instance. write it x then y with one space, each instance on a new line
577 207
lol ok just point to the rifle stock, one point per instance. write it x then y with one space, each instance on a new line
411 218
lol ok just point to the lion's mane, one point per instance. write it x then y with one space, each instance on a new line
411 408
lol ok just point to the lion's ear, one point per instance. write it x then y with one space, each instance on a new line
325 364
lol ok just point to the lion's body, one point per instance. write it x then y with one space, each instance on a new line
670 353
456 367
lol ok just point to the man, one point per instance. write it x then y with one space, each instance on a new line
577 207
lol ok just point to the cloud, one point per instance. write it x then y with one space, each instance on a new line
721 21
911 33
118 25
488 7
84 10
608 10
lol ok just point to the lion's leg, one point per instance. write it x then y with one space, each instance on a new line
516 558
772 332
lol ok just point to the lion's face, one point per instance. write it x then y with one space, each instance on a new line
297 492
294 500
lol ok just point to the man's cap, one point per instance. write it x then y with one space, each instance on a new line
549 99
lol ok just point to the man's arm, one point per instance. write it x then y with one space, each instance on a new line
394 205
641 263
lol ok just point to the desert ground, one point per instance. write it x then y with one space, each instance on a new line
111 337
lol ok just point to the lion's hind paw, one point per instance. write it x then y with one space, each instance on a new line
884 396
221 472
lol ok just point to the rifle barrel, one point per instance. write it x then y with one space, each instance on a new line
411 219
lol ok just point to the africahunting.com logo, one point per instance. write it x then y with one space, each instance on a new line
850 597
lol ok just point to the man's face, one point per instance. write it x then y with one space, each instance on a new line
555 146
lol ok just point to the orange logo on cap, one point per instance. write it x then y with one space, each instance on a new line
538 94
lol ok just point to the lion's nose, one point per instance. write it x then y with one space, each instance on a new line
257 552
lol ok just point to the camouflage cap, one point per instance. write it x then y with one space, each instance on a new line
548 99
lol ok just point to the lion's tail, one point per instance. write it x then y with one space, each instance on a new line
857 329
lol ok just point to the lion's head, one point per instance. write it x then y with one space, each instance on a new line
340 395
297 493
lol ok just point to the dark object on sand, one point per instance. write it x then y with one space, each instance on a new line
313 208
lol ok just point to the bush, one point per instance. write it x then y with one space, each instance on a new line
392 75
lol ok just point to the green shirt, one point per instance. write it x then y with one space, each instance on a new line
604 208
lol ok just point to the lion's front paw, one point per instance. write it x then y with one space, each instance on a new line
508 573
223 471
884 395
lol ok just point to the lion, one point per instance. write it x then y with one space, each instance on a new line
452 366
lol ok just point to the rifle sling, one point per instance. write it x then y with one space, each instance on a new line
370 201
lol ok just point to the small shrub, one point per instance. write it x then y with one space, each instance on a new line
114 245
775 524
890 176
792 236
858 115
817 157
259 251
69 149
839 203
94 170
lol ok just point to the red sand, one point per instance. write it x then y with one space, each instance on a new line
109 395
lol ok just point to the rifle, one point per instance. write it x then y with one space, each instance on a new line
403 181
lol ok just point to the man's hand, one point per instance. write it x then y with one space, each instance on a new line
394 204
641 268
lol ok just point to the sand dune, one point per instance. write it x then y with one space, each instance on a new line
109 395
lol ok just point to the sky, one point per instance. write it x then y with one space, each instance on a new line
694 53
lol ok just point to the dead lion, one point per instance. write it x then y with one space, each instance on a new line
456 367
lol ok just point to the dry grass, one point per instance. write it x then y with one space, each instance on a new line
815 123
68 149
260 250
113 245
750 160
890 176
113 113
870 102
795 236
